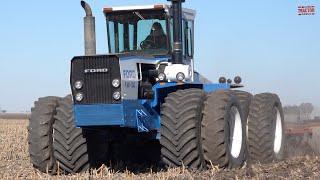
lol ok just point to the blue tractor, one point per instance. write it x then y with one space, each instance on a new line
146 95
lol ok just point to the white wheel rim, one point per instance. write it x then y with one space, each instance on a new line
278 134
236 139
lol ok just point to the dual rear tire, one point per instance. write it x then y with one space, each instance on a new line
266 129
224 128
196 129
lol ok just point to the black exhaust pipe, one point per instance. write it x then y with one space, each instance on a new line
89 30
177 31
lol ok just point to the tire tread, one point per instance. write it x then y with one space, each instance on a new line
180 128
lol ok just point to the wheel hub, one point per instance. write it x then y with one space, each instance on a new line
236 139
278 134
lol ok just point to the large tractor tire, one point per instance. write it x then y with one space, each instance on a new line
75 149
181 129
40 134
266 129
223 130
245 99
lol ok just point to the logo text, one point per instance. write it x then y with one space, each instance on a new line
102 70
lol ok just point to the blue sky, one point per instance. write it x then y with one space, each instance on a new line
266 43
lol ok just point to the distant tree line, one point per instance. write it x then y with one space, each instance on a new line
298 113
2 110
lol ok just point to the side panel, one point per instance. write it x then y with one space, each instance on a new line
131 114
130 74
129 80
161 90
214 87
99 115
140 115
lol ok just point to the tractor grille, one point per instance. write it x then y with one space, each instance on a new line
97 83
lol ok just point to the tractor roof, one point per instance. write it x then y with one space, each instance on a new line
187 13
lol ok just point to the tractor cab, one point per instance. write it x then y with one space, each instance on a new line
147 30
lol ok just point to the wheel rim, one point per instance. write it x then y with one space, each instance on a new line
278 134
236 139
52 135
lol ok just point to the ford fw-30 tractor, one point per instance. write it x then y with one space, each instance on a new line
145 100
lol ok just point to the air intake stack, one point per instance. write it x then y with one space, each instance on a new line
177 31
89 30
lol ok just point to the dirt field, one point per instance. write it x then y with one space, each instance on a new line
14 115
15 164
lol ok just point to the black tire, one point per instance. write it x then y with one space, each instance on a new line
245 99
220 118
40 134
76 149
262 123
181 129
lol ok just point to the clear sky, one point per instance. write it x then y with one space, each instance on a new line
266 43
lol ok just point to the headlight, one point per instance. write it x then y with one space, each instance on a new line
116 96
237 80
79 97
78 85
116 83
180 76
222 80
161 77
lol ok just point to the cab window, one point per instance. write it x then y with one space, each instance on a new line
138 32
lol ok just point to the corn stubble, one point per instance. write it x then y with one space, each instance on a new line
15 164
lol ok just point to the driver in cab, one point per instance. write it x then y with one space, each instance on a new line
157 39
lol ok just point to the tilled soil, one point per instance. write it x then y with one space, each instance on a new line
15 164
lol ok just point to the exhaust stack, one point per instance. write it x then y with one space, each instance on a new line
177 31
89 30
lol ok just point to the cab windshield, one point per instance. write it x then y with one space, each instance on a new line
142 32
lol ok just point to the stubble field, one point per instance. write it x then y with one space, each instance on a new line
15 164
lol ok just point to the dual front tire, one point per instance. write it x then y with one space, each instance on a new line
69 144
56 144
40 138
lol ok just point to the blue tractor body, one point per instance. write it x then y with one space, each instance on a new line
141 114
